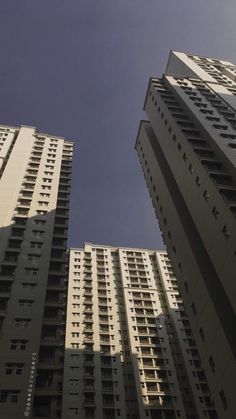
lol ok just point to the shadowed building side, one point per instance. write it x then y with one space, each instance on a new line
34 203
187 154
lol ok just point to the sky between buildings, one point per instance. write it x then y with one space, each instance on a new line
80 69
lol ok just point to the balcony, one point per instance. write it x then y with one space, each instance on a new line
88 318
105 349
7 270
55 302
104 339
87 309
50 364
138 304
88 362
53 321
103 310
88 347
104 320
87 293
88 328
89 387
108 388
89 374
102 302
150 375
106 361
108 402
152 387
148 363
104 329
89 403
41 412
28 186
14 245
143 331
17 231
5 291
88 339
106 374
229 194
140 321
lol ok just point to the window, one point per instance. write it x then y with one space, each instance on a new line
3 396
215 212
11 396
226 232
33 257
36 245
18 344
223 399
23 323
212 364
38 233
31 271
206 195
12 368
219 126
29 285
25 303
74 345
186 286
75 334
201 332
43 203
193 307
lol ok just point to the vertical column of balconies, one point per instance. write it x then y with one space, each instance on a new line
48 395
156 381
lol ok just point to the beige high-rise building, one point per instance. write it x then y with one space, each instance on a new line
35 172
188 156
129 350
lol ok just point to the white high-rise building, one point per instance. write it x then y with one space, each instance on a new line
35 172
187 151
129 350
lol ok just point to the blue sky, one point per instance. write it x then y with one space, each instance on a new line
80 69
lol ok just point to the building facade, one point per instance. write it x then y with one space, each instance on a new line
129 350
187 151
34 200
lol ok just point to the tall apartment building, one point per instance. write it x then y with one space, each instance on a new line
187 151
129 350
35 171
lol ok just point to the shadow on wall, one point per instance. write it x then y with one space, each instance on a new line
100 385
108 385
32 313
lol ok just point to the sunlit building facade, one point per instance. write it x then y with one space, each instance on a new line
129 350
35 172
187 151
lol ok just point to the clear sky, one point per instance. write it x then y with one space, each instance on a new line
80 69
